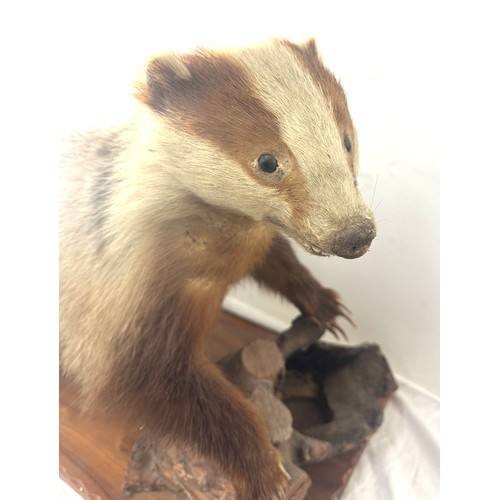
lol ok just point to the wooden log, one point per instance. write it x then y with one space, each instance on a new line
355 383
258 363
318 400
303 332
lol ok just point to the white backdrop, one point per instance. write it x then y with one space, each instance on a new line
417 73
383 53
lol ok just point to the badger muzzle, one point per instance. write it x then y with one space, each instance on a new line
355 240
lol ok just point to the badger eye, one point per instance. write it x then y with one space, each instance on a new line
347 143
267 163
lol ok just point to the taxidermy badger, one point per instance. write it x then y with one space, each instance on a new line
227 155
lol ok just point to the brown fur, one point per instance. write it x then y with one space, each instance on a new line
222 106
161 216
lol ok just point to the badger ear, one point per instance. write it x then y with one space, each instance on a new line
310 47
306 50
163 74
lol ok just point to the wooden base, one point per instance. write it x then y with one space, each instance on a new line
94 452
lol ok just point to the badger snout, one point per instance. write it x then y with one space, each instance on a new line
354 241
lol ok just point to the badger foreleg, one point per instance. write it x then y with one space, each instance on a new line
282 272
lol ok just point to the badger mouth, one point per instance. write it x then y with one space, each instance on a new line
352 245
309 247
313 249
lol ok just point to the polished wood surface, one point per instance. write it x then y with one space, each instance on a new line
94 451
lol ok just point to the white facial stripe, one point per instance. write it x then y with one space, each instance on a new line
304 113
309 129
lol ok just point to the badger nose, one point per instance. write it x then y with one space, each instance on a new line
355 240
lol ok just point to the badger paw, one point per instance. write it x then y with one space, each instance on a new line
269 483
328 309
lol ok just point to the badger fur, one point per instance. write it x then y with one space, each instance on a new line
228 154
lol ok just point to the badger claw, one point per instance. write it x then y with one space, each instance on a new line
285 472
330 308
336 329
